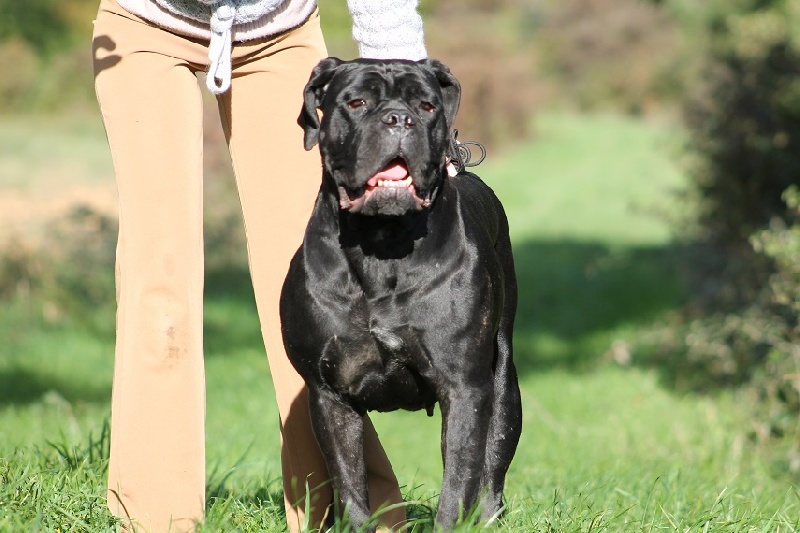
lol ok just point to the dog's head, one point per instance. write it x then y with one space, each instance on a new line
384 130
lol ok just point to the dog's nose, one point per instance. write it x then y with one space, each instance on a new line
398 119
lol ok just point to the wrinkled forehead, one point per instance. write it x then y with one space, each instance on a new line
395 79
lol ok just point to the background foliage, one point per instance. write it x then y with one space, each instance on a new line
740 326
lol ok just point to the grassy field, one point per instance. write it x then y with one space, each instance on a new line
605 446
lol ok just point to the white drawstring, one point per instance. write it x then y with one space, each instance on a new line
219 49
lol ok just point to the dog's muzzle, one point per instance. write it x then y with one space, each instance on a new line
390 192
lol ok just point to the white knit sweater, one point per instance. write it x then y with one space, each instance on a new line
383 29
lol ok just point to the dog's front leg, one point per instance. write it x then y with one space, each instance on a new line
340 433
466 412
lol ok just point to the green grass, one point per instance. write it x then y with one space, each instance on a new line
604 178
605 447
589 205
36 151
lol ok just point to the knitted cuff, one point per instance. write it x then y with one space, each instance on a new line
388 29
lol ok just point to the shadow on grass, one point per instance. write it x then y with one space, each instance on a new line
572 297
230 321
573 294
20 386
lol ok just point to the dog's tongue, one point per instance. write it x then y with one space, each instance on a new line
394 172
398 171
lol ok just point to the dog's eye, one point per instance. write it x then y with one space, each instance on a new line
355 104
427 106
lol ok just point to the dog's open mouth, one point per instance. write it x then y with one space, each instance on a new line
391 191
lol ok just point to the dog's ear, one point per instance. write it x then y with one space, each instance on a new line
312 98
451 89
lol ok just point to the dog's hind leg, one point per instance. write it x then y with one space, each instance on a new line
465 423
504 431
340 432
506 426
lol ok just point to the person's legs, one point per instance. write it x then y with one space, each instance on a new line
278 182
151 107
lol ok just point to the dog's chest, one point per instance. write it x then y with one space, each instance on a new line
380 369
378 358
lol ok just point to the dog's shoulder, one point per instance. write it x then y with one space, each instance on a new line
478 203
472 188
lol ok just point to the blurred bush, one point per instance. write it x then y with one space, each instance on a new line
17 56
40 23
741 324
487 46
778 379
511 56
45 55
744 116
68 271
626 55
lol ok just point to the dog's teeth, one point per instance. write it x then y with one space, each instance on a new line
395 183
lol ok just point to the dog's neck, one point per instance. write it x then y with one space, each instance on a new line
383 237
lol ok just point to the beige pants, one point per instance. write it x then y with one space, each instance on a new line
150 100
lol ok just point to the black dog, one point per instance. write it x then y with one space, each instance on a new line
403 292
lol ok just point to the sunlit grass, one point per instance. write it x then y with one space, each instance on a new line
606 179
